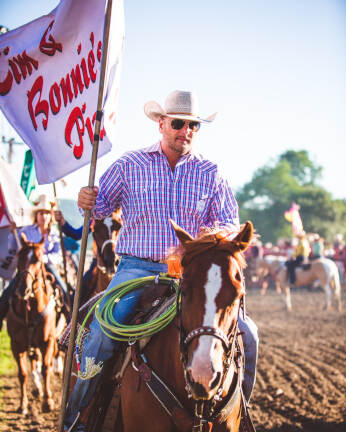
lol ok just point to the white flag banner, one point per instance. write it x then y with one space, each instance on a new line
13 205
8 261
13 201
49 81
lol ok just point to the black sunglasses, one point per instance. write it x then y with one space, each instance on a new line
178 124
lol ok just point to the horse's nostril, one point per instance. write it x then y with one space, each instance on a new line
216 380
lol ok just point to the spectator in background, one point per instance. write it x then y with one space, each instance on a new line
344 259
288 249
317 247
328 250
338 255
256 249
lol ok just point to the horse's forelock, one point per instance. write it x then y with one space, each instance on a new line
206 240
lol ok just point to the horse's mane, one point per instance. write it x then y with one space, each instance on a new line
210 238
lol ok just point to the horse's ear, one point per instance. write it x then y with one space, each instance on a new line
92 225
243 239
24 238
182 235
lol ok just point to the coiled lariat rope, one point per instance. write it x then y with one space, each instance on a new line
122 332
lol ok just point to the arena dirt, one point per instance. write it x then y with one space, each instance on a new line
301 380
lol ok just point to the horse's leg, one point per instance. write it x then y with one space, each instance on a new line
278 287
48 354
337 290
23 380
58 364
264 286
328 292
36 368
288 297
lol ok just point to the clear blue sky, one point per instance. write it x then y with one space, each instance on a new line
274 70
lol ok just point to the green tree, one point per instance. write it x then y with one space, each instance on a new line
292 177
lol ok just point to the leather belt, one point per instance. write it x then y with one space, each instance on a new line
147 259
154 261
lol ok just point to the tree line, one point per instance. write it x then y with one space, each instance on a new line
291 177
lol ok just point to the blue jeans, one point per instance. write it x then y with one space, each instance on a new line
100 347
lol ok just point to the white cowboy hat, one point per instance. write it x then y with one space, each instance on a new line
43 204
179 104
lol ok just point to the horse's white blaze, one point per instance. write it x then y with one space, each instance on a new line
29 255
108 222
200 366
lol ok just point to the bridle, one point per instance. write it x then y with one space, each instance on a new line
205 410
30 289
101 247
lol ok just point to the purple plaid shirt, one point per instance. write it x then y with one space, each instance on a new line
150 194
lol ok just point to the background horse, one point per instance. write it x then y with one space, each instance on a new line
266 270
322 270
105 234
197 356
31 320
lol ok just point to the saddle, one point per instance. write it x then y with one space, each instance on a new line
291 266
151 300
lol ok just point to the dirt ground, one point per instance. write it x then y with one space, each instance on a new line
301 379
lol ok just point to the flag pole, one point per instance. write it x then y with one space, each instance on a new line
63 252
99 113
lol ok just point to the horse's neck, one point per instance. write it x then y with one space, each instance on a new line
168 366
102 281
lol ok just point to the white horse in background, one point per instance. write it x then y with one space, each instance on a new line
323 270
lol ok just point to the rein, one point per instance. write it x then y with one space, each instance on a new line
29 290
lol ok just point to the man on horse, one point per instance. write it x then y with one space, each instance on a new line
167 180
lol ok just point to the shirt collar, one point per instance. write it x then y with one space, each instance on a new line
156 148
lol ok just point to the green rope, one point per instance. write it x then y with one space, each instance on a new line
123 332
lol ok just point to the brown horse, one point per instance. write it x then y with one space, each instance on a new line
322 270
198 356
31 320
105 234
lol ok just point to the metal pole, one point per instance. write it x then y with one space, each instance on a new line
63 252
68 364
